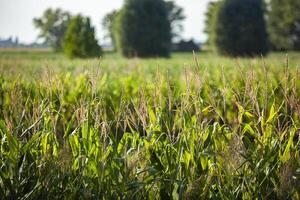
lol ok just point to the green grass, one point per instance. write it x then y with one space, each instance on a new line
190 127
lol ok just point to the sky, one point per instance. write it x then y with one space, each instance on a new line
16 16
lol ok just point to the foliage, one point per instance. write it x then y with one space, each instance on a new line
108 26
53 25
143 29
80 40
176 16
240 28
284 24
129 130
210 21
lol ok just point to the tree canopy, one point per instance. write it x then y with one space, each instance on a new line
210 17
240 28
79 40
143 29
108 26
175 16
53 25
284 24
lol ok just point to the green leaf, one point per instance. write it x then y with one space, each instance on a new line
152 115
286 154
272 114
241 113
247 128
204 161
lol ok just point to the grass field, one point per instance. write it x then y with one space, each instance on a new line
190 127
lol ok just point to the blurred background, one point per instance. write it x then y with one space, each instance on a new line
17 22
229 27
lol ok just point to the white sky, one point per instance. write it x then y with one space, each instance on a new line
16 16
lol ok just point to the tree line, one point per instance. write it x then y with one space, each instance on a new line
253 27
146 28
141 28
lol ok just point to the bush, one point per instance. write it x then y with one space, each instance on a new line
79 40
240 28
143 29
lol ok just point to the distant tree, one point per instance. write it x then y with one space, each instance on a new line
79 40
240 28
284 24
210 17
53 25
108 26
176 16
143 29
185 46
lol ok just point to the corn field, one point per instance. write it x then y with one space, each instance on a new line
149 129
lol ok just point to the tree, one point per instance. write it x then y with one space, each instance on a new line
284 24
210 20
176 16
143 29
108 25
79 40
53 25
240 28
